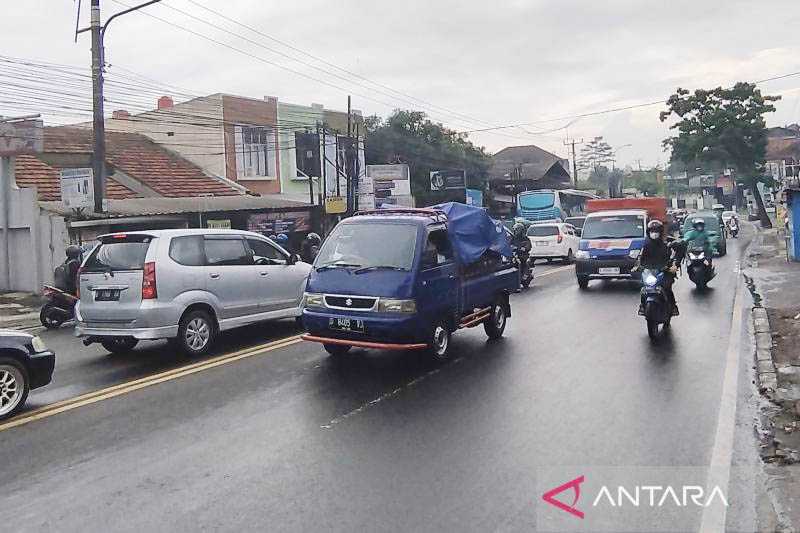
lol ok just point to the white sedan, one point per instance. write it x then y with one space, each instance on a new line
553 240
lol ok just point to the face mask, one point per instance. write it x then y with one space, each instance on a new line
655 236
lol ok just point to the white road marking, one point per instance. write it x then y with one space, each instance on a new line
385 396
720 467
554 271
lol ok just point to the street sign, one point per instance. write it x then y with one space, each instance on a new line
442 180
335 205
366 202
77 187
21 137
218 224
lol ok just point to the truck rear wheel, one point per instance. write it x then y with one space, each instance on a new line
495 325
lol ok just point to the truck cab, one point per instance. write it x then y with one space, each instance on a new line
610 244
406 280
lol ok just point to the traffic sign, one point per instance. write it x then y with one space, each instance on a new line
77 187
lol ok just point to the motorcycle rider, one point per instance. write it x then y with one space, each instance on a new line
521 244
310 247
733 224
66 275
657 255
699 238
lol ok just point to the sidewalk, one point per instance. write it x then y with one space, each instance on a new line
19 310
775 285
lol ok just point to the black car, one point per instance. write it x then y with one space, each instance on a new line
25 364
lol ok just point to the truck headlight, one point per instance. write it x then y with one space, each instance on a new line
391 305
633 254
38 345
582 254
311 299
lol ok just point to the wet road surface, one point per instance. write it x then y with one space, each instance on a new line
289 439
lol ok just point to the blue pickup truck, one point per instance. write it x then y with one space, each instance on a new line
406 279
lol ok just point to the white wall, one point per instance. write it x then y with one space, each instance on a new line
196 126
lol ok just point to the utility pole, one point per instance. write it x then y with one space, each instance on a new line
98 123
573 142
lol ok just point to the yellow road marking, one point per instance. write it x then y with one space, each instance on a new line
147 381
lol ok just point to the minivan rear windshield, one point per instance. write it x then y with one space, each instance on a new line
542 231
119 253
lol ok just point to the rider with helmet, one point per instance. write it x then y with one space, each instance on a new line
520 239
66 275
699 237
310 247
657 255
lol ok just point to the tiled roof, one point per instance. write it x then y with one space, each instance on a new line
31 172
143 160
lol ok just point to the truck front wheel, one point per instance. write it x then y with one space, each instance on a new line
495 325
439 341
583 282
337 350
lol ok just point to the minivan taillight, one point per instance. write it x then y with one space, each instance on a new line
78 284
560 237
149 291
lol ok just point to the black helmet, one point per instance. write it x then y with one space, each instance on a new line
518 229
74 251
655 225
314 238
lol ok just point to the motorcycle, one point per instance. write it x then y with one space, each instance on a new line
699 269
733 229
59 308
524 264
655 304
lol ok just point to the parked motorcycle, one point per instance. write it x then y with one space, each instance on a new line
59 308
700 270
655 304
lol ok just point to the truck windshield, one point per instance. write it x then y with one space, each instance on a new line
369 245
539 200
614 227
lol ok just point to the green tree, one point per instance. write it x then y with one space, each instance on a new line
594 153
723 127
410 137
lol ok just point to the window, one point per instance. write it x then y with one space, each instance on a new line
255 152
187 251
614 227
437 249
539 200
542 231
369 245
265 253
126 252
226 252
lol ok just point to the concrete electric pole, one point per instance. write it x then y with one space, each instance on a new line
573 142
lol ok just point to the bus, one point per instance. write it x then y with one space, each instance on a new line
552 204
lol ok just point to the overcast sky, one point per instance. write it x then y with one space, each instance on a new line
474 64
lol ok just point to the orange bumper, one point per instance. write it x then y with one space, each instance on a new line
364 344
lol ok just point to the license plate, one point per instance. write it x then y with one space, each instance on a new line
608 270
106 295
542 243
346 324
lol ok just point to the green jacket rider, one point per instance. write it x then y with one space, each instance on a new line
698 237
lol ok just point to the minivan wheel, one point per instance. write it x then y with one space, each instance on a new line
196 333
14 387
119 344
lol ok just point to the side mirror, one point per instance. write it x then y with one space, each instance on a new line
294 258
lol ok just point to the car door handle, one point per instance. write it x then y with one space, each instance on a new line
451 276
214 276
263 273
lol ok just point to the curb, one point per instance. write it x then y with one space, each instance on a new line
767 373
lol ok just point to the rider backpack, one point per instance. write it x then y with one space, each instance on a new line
61 277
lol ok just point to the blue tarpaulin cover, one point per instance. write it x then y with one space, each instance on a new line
473 232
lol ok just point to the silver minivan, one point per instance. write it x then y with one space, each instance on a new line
186 285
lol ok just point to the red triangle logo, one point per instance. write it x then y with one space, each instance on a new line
575 485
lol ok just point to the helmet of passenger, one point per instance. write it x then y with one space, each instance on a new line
272 237
74 251
282 238
518 229
314 239
698 223
655 229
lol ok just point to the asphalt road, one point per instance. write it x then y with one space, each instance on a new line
289 440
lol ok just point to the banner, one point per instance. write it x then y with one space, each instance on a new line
279 222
